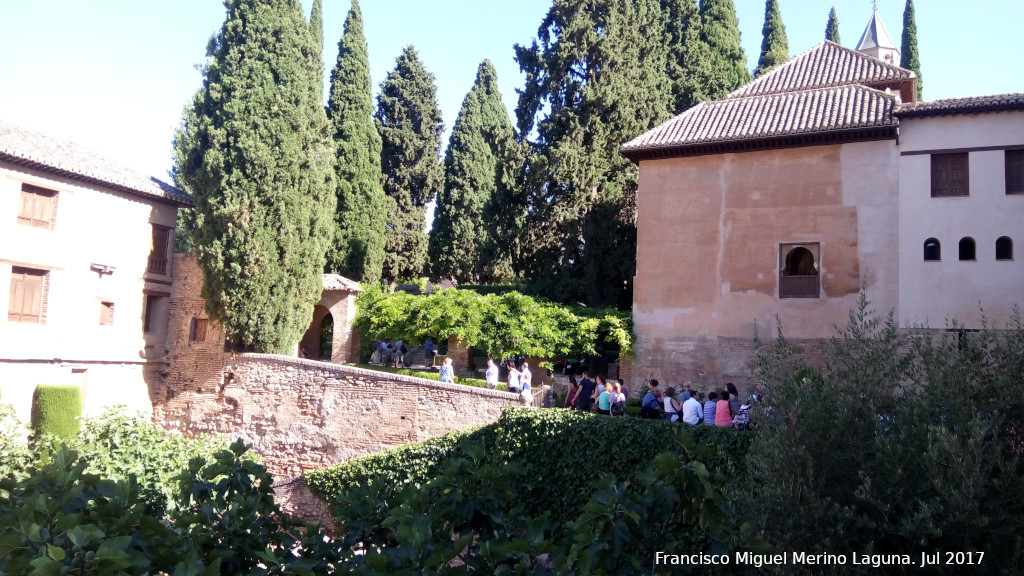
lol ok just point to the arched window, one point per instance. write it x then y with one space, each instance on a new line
798 270
967 248
1004 248
932 250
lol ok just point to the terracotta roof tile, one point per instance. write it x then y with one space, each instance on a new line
772 115
971 105
824 65
28 148
339 282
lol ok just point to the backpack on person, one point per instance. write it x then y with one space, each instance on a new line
618 408
403 349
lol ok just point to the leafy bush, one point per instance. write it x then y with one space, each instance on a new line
56 410
899 443
60 519
505 325
553 457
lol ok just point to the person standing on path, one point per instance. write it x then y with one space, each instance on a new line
447 373
491 375
585 398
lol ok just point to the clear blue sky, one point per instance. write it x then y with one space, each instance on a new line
114 74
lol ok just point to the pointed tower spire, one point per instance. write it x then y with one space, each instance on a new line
876 42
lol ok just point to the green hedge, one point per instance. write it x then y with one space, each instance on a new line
558 455
430 375
56 410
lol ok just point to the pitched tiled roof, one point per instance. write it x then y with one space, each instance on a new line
827 64
32 149
339 282
972 105
827 110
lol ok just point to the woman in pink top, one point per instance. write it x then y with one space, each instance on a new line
723 411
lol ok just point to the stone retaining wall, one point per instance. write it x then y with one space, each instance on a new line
301 414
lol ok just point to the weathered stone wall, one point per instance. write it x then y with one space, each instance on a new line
301 414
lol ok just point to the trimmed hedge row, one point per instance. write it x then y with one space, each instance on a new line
558 455
57 410
475 382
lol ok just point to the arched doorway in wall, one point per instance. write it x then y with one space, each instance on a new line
798 270
312 344
326 337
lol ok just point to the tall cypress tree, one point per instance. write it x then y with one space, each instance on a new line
832 28
688 60
410 126
599 75
361 218
474 167
909 57
774 46
720 31
260 167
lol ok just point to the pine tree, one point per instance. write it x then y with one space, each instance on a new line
599 75
260 167
774 46
832 28
688 59
909 57
474 167
361 218
410 126
720 31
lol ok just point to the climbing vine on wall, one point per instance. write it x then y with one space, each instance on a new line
503 324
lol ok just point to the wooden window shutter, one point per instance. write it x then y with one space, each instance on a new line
26 300
159 249
1015 171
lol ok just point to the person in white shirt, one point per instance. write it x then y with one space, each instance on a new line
513 378
693 410
491 375
525 376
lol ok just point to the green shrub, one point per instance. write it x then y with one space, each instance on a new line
56 410
556 455
429 375
900 442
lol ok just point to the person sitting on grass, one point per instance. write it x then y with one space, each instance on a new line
650 407
709 409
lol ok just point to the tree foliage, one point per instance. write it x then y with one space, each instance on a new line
832 27
774 45
909 57
720 31
908 443
410 125
361 217
316 30
475 169
260 168
598 76
504 325
688 61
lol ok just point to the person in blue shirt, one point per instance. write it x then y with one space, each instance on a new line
447 373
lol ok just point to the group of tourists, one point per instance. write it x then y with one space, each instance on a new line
520 378
606 398
721 408
387 353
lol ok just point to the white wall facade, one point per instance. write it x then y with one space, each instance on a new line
92 225
932 292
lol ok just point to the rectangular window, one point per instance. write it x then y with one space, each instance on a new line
28 287
1015 171
949 175
106 313
197 333
36 208
798 270
159 249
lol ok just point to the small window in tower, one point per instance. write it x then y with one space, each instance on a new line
197 332
798 270
106 313
1004 248
932 250
967 248
1015 171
